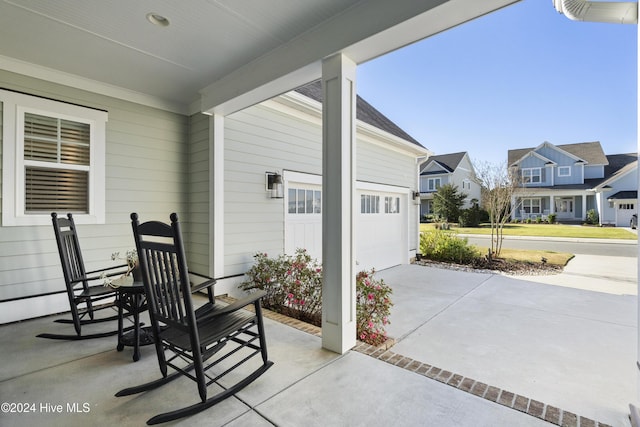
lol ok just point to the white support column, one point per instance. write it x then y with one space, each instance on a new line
338 183
552 204
216 196
584 207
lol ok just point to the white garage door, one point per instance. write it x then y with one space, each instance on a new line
382 230
303 218
381 221
624 210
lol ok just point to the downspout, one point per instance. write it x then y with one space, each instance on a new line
598 11
614 13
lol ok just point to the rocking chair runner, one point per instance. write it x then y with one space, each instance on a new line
191 340
77 281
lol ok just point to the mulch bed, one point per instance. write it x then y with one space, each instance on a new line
509 267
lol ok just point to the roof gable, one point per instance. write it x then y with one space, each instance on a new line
538 156
365 112
448 162
619 166
589 152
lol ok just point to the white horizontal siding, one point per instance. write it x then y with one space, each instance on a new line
197 232
260 139
146 163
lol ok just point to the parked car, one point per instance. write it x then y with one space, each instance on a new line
634 221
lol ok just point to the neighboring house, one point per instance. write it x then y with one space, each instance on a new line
569 180
454 168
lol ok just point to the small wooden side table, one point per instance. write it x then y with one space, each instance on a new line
134 300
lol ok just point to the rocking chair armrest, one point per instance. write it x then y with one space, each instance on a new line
204 285
252 298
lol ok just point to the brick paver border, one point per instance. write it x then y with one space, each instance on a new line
506 398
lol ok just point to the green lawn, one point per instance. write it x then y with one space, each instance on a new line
535 256
554 230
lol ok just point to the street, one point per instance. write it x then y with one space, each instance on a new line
585 248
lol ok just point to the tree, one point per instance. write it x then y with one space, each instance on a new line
447 202
499 184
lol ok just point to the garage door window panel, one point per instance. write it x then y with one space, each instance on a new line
304 201
369 204
392 205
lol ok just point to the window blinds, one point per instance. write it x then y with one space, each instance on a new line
51 145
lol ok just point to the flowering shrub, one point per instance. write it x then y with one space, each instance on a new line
293 284
294 287
373 306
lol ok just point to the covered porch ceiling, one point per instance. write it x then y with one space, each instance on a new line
214 55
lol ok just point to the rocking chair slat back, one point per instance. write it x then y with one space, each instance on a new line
165 273
83 291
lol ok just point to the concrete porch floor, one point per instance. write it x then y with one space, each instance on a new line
472 350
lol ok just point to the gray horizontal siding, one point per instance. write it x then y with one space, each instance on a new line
261 139
197 232
146 160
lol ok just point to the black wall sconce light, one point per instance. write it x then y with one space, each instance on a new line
275 186
416 195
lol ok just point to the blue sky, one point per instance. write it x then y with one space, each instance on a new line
512 79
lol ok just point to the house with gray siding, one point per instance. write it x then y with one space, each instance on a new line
149 169
173 110
571 179
443 169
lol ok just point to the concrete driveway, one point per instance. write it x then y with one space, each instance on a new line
569 348
473 349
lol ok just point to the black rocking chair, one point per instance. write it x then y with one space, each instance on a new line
82 296
186 339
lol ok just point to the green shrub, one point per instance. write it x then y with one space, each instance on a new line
539 220
551 218
439 245
294 288
469 217
592 217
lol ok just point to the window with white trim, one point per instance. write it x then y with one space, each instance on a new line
531 206
369 204
626 206
433 184
531 175
564 170
304 201
53 160
391 205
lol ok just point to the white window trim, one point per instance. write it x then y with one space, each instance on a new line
566 168
539 175
15 104
434 180
530 200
